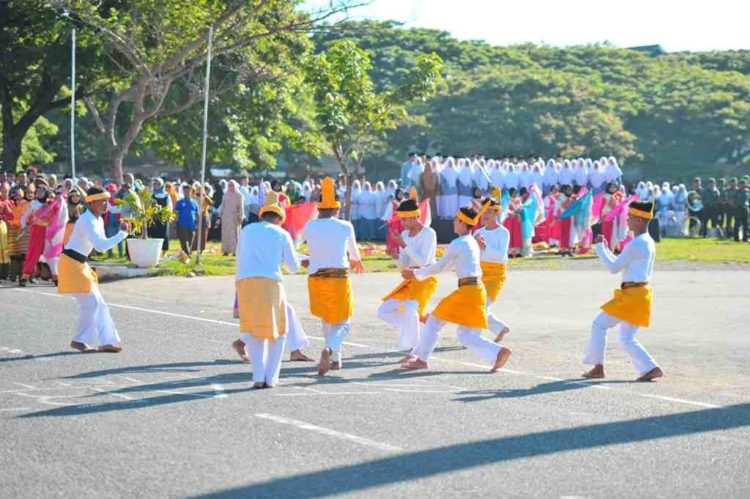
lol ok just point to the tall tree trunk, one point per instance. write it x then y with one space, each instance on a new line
116 156
11 150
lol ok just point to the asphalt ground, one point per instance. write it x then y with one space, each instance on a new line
174 414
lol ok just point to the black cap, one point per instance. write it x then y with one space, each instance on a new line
408 205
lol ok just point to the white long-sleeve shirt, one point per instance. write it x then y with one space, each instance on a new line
420 249
331 243
497 241
263 249
636 262
461 256
88 235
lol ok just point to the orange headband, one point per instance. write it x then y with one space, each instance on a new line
97 197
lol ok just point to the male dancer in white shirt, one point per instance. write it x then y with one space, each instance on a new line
333 250
404 306
263 248
465 307
631 305
95 324
493 240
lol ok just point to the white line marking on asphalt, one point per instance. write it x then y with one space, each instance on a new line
171 314
457 362
118 395
331 433
11 350
219 391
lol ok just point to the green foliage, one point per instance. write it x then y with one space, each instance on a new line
145 212
665 114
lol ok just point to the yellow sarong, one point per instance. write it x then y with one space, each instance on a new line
631 305
465 307
330 298
493 278
74 276
262 306
413 289
4 247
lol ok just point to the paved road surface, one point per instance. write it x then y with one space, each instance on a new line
174 414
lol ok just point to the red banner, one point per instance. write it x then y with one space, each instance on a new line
297 217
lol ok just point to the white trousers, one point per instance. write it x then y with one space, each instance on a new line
265 358
335 335
495 324
94 325
53 263
296 337
402 314
640 358
469 337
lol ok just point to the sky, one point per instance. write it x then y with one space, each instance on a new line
677 26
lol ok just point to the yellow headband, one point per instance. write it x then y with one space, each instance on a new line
97 197
408 214
640 213
465 219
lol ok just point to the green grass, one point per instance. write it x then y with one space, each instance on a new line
703 250
213 263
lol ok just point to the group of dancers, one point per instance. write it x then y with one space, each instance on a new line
478 257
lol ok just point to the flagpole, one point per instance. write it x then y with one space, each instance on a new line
73 106
203 158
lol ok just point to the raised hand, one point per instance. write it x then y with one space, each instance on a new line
480 241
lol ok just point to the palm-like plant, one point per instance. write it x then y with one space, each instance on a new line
145 212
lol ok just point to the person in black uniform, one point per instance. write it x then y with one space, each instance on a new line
710 197
741 209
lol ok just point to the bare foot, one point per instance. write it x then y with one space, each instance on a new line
501 334
110 348
406 358
81 347
415 363
502 357
337 365
654 373
239 347
597 372
325 361
299 356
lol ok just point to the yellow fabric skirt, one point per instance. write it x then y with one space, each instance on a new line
262 306
465 307
330 298
4 248
631 305
74 276
413 289
493 278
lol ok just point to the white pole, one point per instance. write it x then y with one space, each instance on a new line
205 137
73 107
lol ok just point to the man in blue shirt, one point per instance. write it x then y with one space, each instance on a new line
187 217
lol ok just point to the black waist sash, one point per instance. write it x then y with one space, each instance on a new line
75 255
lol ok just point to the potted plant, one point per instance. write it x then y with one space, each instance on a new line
144 211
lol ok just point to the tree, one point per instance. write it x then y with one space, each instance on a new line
159 50
352 116
34 68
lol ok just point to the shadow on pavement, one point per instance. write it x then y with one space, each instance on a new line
426 463
540 389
